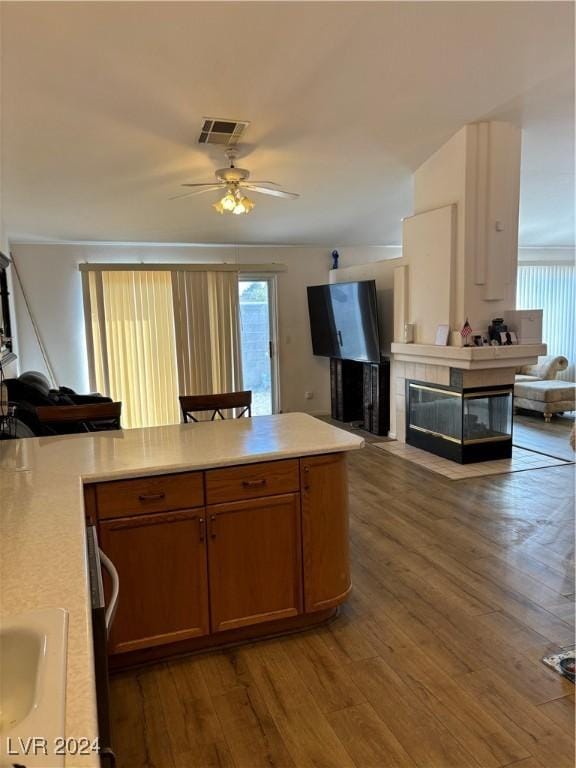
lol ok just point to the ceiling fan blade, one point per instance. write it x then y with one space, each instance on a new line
270 183
210 188
204 184
274 192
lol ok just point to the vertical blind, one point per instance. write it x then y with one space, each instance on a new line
133 344
207 321
153 334
552 287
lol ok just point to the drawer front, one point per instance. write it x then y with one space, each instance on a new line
149 494
251 481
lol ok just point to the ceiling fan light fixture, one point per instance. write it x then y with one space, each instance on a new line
243 205
229 201
234 202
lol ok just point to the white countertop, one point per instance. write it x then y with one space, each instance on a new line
42 529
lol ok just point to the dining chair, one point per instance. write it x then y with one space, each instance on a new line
225 401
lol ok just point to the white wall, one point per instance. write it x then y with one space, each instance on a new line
9 369
364 255
51 279
441 181
429 245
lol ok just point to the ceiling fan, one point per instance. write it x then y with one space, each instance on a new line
235 180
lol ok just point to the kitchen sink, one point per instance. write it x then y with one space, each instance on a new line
20 663
32 684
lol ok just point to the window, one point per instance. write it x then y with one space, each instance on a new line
153 334
552 287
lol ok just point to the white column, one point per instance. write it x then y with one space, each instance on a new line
478 172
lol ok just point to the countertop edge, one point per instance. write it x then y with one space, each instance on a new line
125 473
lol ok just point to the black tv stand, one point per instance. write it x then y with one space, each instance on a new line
361 392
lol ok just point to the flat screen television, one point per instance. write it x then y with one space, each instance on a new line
344 321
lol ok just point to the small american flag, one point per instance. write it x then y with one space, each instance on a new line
466 330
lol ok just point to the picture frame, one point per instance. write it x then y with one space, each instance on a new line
442 334
508 338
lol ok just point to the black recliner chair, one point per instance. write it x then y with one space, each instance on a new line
32 389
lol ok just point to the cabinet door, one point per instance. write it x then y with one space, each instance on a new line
325 541
161 562
254 554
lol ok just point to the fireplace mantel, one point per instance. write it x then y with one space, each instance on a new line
469 358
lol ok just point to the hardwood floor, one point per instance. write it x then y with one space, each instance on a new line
459 589
531 431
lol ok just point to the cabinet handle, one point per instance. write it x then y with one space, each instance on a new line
212 526
202 526
152 496
109 567
254 483
306 469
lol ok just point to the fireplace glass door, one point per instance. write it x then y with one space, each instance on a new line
436 411
463 425
487 416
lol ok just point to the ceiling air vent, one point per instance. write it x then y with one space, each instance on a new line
217 130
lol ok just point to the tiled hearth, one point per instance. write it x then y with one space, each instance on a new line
522 460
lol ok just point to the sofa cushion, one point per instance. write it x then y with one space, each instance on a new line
525 377
546 391
58 398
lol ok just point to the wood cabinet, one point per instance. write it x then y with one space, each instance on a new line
162 564
203 557
325 539
255 561
150 494
251 481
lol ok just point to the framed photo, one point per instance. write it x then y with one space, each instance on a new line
477 339
507 338
442 333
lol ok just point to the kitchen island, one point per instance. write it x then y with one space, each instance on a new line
224 486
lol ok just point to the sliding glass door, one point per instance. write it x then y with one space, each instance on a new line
258 335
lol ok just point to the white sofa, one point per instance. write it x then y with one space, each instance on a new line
546 369
536 387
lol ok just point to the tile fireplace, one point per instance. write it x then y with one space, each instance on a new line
458 423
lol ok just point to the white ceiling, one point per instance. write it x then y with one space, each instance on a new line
102 104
